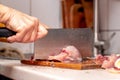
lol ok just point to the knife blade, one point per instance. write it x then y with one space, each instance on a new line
56 39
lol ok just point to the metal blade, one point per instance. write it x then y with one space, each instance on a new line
81 38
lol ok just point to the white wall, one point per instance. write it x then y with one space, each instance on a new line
48 11
23 6
110 23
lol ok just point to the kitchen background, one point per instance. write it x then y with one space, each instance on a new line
49 12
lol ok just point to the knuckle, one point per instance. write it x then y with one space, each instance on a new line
32 40
35 21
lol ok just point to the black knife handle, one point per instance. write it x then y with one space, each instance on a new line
4 32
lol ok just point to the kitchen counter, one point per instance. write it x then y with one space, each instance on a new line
15 70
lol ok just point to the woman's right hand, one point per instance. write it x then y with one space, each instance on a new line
28 28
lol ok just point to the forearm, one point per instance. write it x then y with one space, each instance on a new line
4 13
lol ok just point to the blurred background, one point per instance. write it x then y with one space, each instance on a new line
72 14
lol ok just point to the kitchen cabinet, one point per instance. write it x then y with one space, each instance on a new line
77 13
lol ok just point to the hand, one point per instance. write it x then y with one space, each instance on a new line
28 28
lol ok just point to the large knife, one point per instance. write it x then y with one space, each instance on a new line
56 39
81 38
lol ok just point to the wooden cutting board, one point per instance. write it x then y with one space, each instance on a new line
79 66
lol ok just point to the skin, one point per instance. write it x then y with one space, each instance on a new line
28 28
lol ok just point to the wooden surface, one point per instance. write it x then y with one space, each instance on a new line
88 10
3 39
77 17
66 6
2 25
78 66
77 13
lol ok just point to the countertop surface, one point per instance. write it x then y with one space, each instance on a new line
15 70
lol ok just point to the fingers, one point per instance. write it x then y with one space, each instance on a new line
29 35
17 38
42 31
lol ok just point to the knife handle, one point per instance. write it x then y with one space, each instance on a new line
5 32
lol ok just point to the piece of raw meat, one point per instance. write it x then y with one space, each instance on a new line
110 63
68 54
